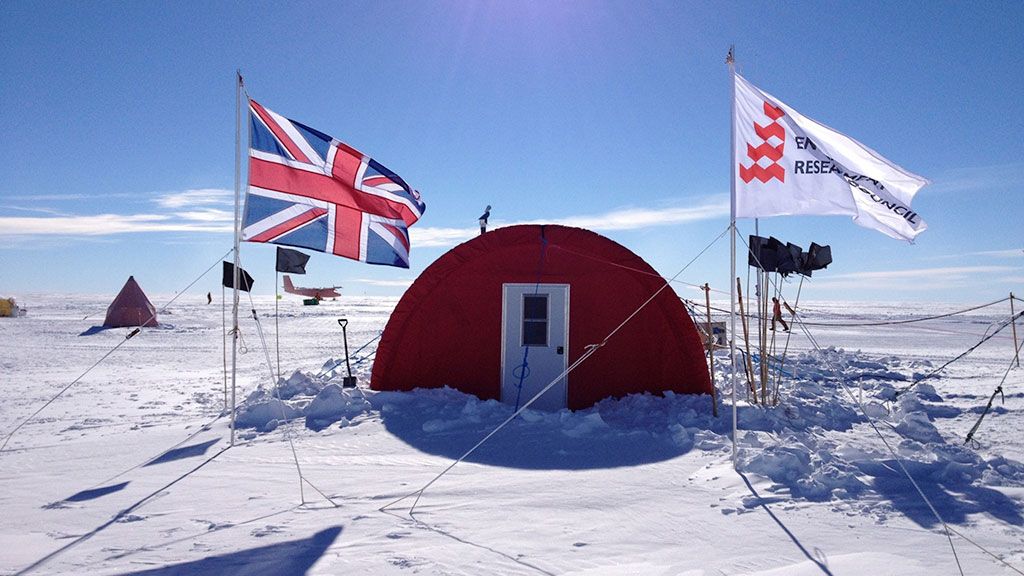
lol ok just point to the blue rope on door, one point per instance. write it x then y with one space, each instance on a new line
524 368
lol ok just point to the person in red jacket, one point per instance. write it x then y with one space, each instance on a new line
777 314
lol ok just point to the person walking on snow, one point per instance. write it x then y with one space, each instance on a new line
777 314
483 219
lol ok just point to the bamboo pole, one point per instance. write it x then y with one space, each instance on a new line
277 327
782 361
774 345
711 350
748 366
760 317
764 339
770 352
1013 325
224 334
760 337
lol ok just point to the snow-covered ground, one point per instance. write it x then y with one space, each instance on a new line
130 471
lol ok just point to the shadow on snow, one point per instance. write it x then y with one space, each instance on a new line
293 557
954 498
183 452
95 493
118 517
817 558
635 430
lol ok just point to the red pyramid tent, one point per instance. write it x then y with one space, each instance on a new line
130 308
502 315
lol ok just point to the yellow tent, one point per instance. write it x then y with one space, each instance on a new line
8 308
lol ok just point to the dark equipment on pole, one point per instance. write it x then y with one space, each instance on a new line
819 256
762 253
771 255
765 253
789 257
350 380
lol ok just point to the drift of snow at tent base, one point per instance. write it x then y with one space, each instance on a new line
504 314
131 307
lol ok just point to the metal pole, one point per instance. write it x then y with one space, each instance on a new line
1013 326
277 328
732 249
238 191
224 334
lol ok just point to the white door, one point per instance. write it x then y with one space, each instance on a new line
535 343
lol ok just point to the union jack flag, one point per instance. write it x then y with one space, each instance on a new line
307 189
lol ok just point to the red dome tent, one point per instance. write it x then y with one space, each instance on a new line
502 315
130 308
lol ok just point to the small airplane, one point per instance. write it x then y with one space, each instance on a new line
316 293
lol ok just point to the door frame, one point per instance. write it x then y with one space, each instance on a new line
527 290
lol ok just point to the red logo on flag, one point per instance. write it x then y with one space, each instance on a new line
766 150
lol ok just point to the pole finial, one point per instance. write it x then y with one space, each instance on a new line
730 58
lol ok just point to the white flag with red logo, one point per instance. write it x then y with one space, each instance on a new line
789 164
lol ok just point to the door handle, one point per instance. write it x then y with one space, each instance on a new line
560 350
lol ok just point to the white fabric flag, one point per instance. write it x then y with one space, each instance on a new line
789 164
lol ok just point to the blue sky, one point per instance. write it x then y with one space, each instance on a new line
117 153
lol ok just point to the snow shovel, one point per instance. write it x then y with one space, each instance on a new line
350 380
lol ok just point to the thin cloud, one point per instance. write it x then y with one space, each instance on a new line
387 283
941 278
921 273
207 215
1011 253
44 243
100 225
76 196
635 218
201 215
197 197
997 254
979 179
622 219
427 237
36 210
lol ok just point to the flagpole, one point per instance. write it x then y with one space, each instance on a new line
277 328
731 60
224 339
238 187
760 323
